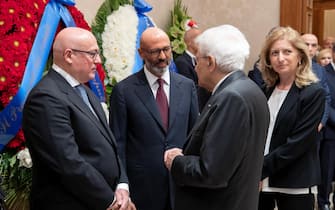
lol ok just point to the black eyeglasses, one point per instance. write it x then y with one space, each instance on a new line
93 54
157 52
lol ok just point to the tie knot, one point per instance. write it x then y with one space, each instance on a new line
80 89
160 82
80 86
194 61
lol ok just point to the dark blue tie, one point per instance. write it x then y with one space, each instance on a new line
82 92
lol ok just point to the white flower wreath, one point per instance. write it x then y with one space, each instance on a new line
119 42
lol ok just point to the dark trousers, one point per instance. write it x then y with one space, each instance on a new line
268 201
327 161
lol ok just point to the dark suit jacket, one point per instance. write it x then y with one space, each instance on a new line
141 138
329 131
293 160
224 153
319 71
185 67
256 75
74 153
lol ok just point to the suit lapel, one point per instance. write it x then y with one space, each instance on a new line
144 93
290 100
176 97
200 126
99 112
75 99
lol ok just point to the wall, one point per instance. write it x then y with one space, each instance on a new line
329 29
253 17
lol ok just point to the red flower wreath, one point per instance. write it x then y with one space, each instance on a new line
19 21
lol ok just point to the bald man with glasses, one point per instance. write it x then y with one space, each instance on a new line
150 112
76 164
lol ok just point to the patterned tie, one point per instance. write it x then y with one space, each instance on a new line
162 103
82 93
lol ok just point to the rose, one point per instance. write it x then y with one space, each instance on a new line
25 159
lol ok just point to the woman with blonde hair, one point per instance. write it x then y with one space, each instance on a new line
291 167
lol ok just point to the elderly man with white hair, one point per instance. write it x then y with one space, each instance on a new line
220 165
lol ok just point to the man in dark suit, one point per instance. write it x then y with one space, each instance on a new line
256 75
186 62
312 43
221 163
76 165
145 125
327 147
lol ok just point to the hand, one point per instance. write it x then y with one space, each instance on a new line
320 127
170 155
131 205
115 206
121 200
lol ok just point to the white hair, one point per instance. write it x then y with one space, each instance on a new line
226 44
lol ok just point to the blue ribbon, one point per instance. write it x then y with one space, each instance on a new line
144 22
11 115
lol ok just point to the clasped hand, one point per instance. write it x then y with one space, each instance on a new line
170 155
122 201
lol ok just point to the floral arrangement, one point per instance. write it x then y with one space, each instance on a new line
19 21
176 32
118 26
119 42
98 28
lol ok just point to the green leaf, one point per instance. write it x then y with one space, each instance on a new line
178 46
12 161
177 29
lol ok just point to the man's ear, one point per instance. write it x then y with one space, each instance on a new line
211 62
140 52
68 56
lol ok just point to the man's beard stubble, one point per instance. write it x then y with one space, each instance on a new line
157 70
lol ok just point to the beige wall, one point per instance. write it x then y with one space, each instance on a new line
329 29
253 17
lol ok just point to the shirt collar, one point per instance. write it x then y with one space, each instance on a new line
192 57
70 79
190 54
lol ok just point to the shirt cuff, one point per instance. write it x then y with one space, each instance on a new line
123 186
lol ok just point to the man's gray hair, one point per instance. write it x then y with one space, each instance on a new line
226 44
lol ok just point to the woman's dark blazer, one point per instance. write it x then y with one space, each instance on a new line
293 160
